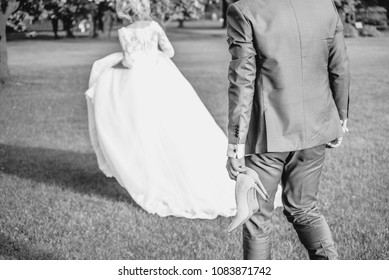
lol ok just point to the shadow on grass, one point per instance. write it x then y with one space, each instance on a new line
11 249
66 169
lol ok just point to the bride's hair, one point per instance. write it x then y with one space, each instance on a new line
133 10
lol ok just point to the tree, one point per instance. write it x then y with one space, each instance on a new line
225 4
365 11
385 4
184 10
71 11
382 3
7 7
351 6
378 15
347 9
102 14
67 11
161 10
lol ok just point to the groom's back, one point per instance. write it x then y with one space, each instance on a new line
292 40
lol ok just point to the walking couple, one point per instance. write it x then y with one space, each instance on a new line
288 102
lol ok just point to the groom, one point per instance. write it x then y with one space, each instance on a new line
288 101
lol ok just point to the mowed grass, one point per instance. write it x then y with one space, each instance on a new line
55 203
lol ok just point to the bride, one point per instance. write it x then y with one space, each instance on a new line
150 130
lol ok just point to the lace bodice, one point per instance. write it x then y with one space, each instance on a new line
135 40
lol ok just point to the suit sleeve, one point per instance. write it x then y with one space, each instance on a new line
241 76
339 72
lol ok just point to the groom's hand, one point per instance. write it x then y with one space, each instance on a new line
335 143
338 141
235 166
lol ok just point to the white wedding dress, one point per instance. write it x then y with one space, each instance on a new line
150 130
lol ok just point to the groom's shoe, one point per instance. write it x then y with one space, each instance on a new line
246 189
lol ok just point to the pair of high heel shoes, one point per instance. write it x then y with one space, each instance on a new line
247 187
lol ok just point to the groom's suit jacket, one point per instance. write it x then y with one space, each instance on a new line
289 75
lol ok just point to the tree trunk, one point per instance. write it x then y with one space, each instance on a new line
224 10
67 26
5 11
95 26
181 23
54 23
108 21
4 71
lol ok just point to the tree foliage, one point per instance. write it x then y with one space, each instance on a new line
187 9
180 10
367 11
161 10
68 11
72 11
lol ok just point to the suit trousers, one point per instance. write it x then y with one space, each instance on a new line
299 172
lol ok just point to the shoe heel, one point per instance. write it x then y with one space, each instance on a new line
246 199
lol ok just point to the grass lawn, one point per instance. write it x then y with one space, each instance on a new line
55 203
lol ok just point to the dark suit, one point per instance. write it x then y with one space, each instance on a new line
289 89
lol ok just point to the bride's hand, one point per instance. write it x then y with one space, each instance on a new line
235 166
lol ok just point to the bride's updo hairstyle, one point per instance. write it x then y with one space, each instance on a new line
133 10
